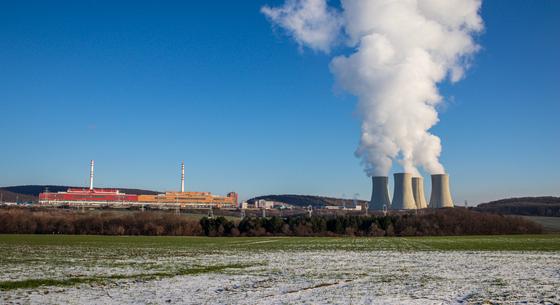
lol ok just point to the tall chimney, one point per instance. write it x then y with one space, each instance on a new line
91 176
402 196
379 194
418 192
441 196
182 176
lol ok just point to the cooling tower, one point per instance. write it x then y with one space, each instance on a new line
441 196
418 192
379 194
402 196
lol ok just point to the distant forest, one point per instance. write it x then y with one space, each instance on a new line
531 206
456 221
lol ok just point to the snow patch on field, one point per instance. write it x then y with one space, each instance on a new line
312 277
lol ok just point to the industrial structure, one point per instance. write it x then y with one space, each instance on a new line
182 176
408 193
418 192
402 195
441 195
99 197
379 194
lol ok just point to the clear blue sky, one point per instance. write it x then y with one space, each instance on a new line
139 86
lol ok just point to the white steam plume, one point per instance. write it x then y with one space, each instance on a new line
401 50
311 22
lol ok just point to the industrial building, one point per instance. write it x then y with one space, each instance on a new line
191 199
97 197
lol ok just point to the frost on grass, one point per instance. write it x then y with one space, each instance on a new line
278 277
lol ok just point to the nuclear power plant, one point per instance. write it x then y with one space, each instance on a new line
102 197
408 193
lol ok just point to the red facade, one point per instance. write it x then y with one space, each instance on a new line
97 195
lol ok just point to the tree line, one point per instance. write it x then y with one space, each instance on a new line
432 223
29 221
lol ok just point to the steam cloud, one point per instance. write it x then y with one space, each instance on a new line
400 51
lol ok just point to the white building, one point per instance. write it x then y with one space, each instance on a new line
264 204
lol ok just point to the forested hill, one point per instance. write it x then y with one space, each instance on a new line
535 206
306 200
7 196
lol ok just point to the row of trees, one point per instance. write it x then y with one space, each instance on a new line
26 221
440 222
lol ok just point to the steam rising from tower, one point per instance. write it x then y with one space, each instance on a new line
398 51
91 175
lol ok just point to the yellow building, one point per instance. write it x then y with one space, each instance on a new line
191 199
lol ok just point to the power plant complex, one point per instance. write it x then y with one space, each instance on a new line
408 193
96 197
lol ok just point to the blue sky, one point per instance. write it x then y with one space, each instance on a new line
139 86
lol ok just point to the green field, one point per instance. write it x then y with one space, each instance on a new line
550 224
546 242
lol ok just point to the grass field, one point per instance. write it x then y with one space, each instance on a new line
54 269
550 224
545 242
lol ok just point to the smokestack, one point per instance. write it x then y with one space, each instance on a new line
379 194
402 196
441 196
182 176
91 176
418 192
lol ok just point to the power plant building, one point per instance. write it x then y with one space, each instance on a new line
95 197
191 199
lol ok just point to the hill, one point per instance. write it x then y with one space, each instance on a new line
31 192
306 200
7 196
530 206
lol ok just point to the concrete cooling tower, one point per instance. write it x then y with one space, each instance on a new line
379 194
403 198
418 192
441 196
